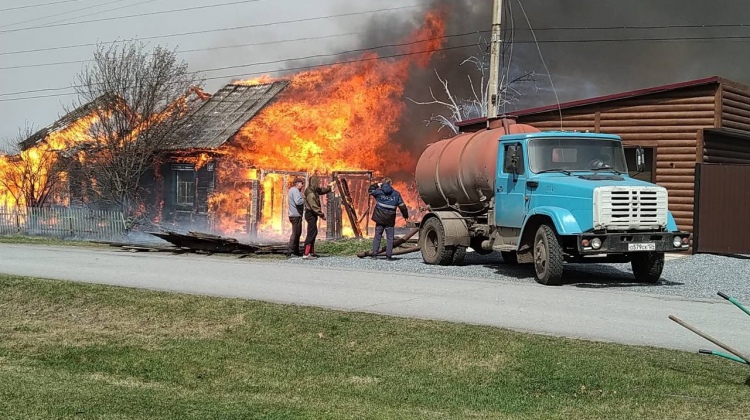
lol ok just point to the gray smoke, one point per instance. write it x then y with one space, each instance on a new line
581 62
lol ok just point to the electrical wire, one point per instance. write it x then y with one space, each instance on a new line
207 31
246 75
275 61
544 63
184 9
66 13
29 6
235 46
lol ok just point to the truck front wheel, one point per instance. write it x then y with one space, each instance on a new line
432 243
648 266
548 257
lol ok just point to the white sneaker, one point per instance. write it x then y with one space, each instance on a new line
309 257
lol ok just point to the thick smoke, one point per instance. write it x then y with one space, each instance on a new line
579 62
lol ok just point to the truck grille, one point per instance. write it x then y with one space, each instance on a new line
630 208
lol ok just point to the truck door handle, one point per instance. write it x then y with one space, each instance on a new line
532 184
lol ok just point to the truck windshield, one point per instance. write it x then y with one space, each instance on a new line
576 154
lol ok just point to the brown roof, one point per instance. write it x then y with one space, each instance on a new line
607 98
222 116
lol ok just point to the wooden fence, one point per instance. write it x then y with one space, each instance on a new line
62 223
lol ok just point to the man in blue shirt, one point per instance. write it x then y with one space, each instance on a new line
296 206
387 200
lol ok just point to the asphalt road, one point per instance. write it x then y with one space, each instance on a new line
606 315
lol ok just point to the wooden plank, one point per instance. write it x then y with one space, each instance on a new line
675 186
677 157
675 178
660 136
667 129
626 114
640 122
673 165
735 125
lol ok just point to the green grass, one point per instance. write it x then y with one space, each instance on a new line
86 351
44 240
344 247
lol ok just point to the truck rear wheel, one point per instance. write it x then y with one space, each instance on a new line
647 266
432 243
458 255
548 257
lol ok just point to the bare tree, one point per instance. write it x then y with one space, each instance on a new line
33 177
142 97
473 105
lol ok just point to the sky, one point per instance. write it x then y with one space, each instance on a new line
609 46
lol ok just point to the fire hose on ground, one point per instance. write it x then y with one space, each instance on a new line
733 354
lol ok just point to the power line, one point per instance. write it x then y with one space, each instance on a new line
419 5
694 26
29 6
274 61
245 75
220 29
185 9
64 13
540 41
253 44
224 47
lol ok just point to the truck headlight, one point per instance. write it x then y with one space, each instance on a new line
596 243
677 241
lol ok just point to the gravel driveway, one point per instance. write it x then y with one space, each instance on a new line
696 276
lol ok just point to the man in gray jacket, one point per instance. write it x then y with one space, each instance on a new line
296 206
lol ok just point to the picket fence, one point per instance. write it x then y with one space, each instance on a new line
62 223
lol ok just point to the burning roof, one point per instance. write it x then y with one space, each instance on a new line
63 123
222 116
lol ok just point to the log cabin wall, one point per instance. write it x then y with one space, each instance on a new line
735 106
669 121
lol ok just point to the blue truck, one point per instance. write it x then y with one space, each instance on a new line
542 198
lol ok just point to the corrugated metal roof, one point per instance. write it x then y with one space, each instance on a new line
62 123
222 116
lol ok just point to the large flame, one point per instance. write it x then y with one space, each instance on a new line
26 176
340 117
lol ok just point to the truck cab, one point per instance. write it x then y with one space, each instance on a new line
567 196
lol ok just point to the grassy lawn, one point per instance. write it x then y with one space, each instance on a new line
85 351
44 240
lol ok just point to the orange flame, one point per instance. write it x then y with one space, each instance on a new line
340 117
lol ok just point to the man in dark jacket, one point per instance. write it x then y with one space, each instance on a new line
387 200
313 211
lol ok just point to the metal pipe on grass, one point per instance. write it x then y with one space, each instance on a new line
709 338
724 355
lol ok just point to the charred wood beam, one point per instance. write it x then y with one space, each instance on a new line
348 203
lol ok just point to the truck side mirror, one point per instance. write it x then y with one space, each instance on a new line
640 159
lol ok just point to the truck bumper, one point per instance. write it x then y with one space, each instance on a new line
626 243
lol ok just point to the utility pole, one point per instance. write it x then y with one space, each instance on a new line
495 52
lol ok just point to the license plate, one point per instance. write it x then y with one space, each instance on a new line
642 247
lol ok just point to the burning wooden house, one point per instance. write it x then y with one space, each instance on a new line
211 183
229 173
